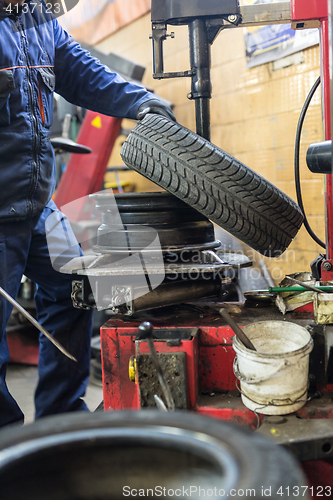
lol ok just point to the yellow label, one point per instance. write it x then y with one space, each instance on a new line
97 122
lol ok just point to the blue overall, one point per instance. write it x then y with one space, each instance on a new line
37 57
62 382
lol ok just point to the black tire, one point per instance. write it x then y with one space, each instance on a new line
214 183
93 456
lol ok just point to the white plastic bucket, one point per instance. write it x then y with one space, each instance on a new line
274 379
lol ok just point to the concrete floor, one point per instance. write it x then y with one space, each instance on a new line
22 379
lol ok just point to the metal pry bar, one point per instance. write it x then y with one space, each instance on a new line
146 333
36 324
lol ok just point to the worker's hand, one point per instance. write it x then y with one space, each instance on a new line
157 107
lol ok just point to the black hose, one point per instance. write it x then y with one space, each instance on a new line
296 162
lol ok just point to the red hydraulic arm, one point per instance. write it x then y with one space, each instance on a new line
84 174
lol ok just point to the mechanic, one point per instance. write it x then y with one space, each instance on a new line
37 58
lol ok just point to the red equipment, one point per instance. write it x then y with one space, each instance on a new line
85 176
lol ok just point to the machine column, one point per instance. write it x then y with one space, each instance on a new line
201 81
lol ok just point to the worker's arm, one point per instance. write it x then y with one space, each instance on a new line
82 80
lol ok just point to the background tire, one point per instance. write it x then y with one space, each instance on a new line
214 183
93 456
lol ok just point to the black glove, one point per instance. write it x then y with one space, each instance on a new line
157 107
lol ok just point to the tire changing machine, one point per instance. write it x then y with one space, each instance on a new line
193 340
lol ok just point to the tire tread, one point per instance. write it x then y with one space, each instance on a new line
213 182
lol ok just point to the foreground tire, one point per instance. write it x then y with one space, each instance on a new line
105 456
214 183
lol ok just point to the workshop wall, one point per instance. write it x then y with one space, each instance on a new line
254 116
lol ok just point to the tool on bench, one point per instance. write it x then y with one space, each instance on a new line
146 333
305 285
304 288
279 289
159 403
238 331
36 324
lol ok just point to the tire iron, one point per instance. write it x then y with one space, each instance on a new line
304 288
305 285
238 331
146 333
36 324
